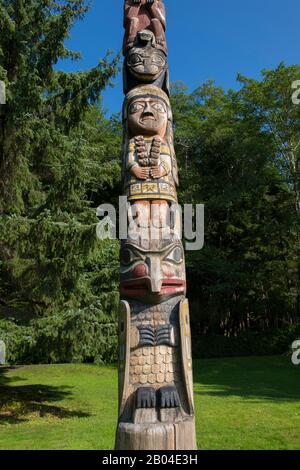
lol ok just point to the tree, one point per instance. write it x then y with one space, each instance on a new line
242 278
58 157
270 102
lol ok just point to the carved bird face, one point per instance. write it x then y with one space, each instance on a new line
152 275
146 64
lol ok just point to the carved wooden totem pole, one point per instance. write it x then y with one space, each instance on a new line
156 408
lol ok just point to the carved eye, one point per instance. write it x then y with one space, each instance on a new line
158 107
135 59
158 60
176 255
128 256
135 107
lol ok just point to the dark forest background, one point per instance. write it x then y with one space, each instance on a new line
238 153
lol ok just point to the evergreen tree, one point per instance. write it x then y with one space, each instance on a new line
270 102
58 158
238 154
243 277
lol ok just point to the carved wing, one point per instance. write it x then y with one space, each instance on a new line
124 354
186 351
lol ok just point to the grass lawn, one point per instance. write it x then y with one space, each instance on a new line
241 403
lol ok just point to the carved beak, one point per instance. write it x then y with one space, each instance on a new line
153 264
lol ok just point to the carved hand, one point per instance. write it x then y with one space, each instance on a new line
157 172
140 173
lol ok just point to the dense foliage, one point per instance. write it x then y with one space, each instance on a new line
238 152
58 160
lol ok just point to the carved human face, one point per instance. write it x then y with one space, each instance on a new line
146 64
147 116
155 275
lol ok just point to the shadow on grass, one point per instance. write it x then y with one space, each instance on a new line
19 403
256 379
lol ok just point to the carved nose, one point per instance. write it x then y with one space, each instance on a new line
148 109
155 274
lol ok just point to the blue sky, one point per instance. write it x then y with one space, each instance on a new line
213 39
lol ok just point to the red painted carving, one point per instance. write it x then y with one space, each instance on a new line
144 14
152 274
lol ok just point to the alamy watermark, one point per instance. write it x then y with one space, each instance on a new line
152 221
2 93
296 353
296 94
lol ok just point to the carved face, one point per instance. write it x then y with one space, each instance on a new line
155 275
147 116
146 64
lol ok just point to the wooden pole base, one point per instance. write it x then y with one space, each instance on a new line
157 436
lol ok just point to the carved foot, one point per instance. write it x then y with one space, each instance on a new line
145 397
168 397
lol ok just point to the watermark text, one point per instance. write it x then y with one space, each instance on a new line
296 94
296 353
148 220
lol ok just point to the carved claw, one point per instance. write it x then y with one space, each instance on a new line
145 397
168 397
147 336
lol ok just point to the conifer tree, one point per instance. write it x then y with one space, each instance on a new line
58 157
231 158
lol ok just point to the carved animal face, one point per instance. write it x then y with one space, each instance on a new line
155 275
146 64
148 116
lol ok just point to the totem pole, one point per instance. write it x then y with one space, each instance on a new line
156 408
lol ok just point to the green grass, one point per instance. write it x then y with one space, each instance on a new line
241 403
